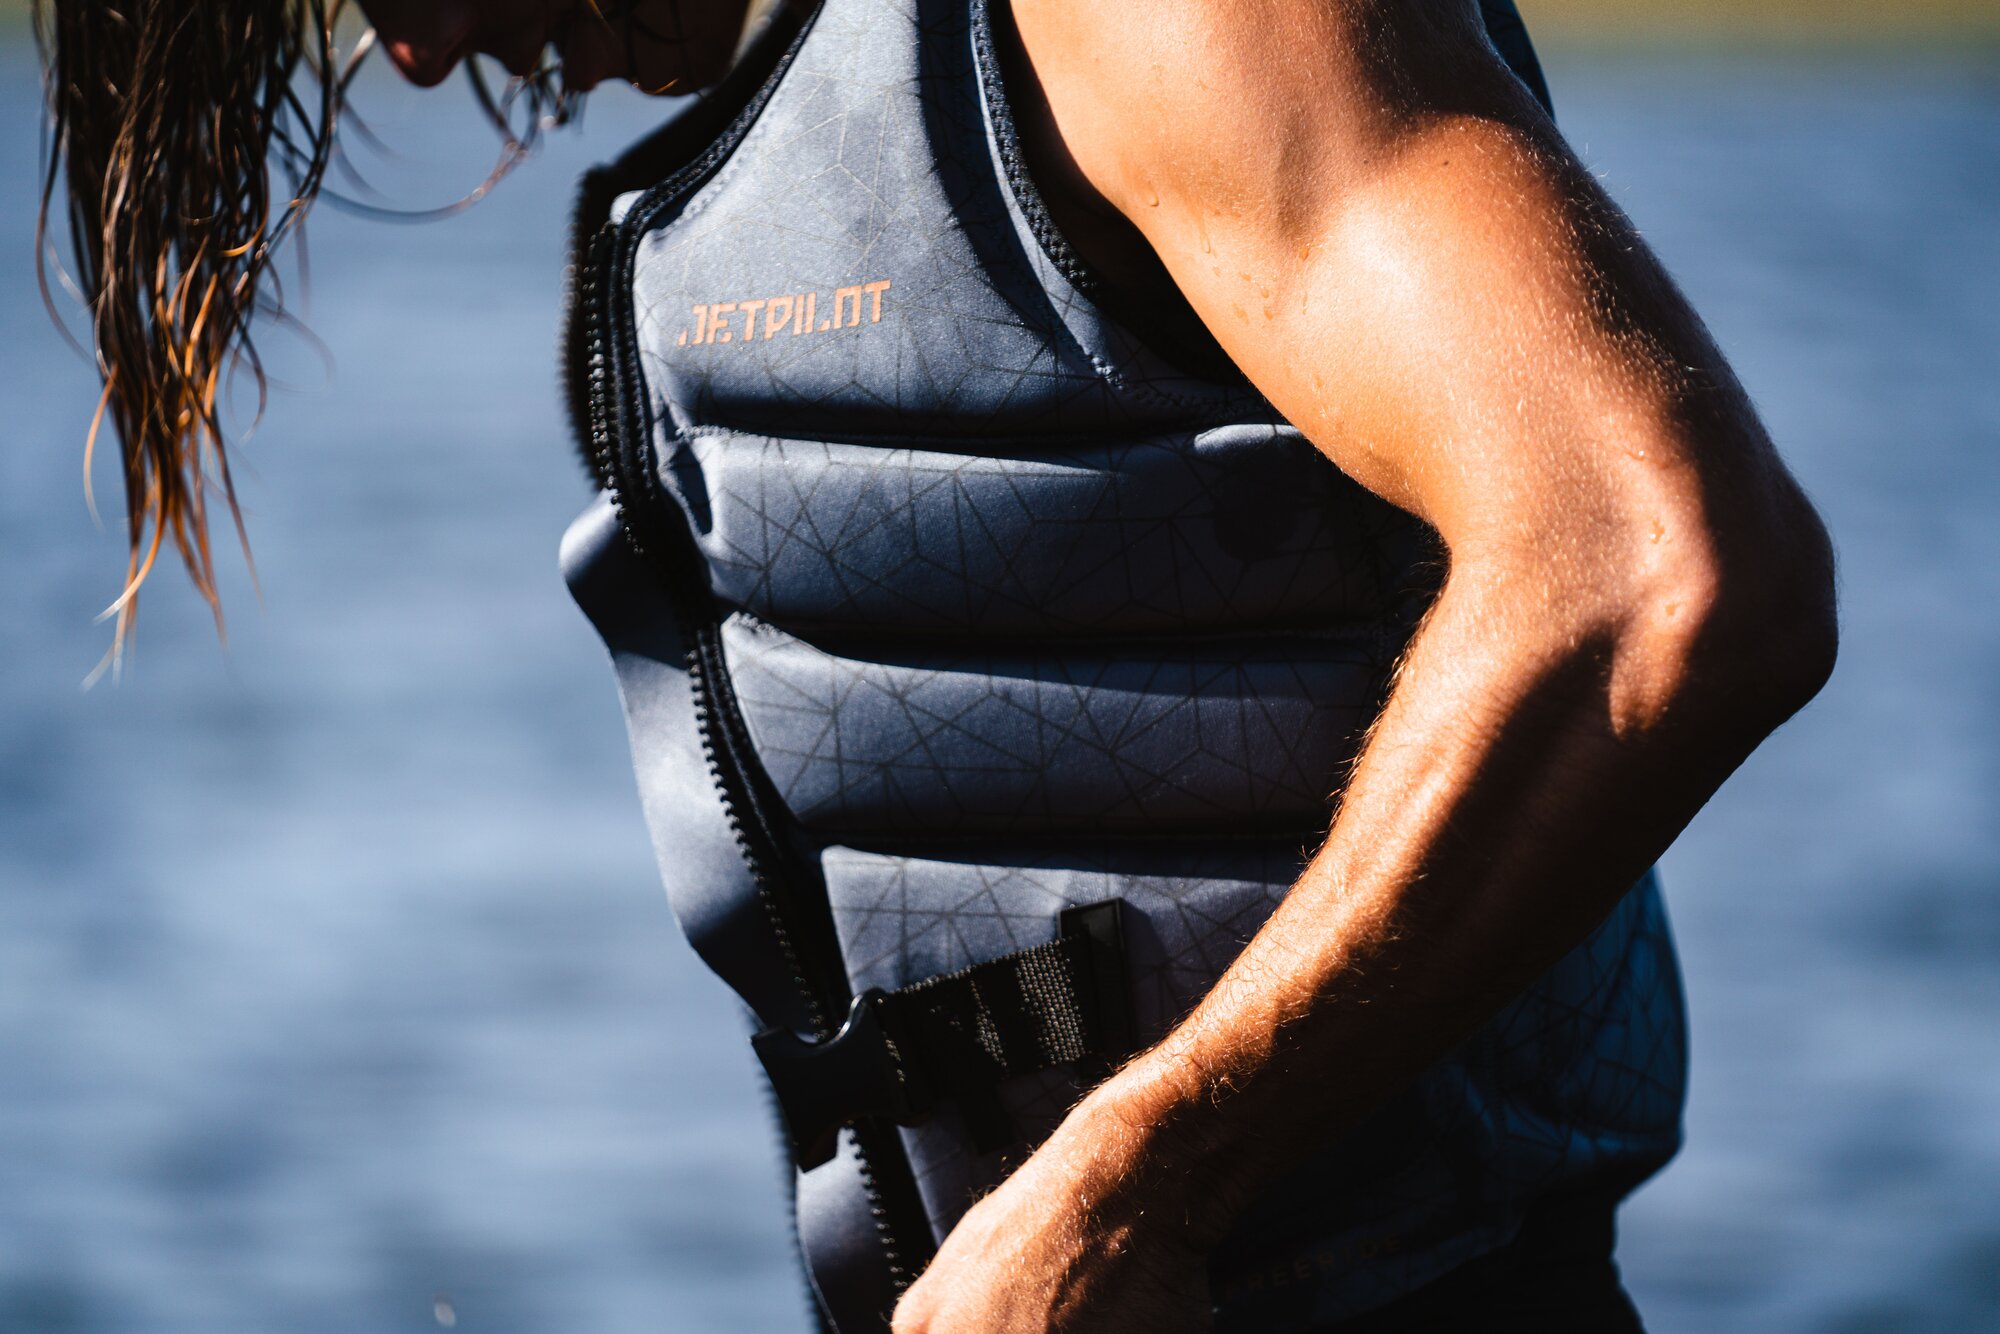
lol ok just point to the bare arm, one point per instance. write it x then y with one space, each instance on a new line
1380 227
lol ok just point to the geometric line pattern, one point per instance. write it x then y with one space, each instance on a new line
1020 615
1232 527
1223 738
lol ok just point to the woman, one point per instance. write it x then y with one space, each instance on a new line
1026 434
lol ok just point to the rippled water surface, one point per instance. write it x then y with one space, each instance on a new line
335 983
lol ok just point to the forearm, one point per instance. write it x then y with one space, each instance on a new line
1389 240
1525 773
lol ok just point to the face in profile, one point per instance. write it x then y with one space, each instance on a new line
660 46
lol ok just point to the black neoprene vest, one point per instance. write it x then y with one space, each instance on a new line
944 605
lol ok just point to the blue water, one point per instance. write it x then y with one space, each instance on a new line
336 990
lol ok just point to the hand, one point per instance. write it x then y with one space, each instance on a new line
1090 1235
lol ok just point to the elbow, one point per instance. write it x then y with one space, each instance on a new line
1750 631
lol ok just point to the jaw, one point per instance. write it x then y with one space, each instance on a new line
661 46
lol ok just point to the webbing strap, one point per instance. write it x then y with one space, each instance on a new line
1020 1013
957 1036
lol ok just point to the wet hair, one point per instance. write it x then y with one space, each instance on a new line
187 149
168 119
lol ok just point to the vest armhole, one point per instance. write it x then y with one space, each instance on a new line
1177 338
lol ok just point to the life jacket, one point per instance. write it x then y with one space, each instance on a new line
991 674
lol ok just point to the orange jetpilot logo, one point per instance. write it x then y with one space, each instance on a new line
795 314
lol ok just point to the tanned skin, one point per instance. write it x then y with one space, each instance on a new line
1389 238
1382 230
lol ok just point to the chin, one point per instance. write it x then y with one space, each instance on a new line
674 46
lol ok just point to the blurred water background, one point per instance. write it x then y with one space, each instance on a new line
336 989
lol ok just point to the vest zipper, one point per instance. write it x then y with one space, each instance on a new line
621 455
625 463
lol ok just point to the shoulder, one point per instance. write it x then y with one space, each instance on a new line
1255 101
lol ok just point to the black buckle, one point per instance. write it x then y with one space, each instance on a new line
871 1069
823 1085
